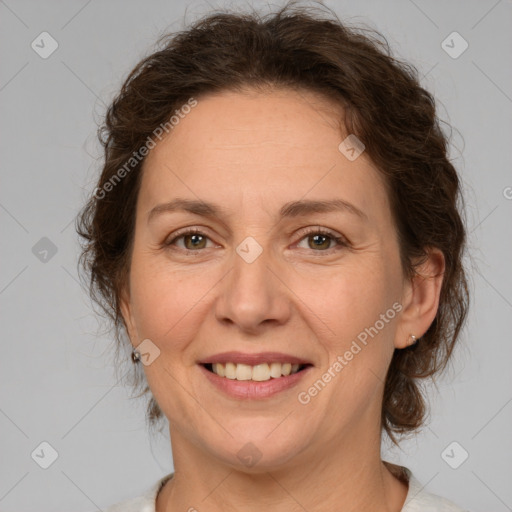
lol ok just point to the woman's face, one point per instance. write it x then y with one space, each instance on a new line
265 274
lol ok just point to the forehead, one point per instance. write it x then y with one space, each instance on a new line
250 146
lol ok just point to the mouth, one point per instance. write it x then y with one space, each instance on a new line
257 373
254 376
245 376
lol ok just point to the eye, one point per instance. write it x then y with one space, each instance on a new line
193 239
322 239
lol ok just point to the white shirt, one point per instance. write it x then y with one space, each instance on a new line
417 500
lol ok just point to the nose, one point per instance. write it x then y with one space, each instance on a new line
253 296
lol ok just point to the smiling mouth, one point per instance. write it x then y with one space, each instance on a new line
258 373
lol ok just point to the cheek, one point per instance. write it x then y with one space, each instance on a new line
367 324
167 301
348 299
357 324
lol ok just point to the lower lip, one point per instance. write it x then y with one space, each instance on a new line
250 389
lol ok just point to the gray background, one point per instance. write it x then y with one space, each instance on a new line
57 381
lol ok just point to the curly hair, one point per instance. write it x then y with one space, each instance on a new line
302 48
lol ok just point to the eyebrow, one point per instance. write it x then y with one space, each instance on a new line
288 210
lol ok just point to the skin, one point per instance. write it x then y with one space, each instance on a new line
252 152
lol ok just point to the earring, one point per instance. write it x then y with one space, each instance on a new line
413 340
135 356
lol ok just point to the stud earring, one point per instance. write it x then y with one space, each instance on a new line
413 339
135 356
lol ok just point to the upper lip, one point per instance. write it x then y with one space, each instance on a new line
253 359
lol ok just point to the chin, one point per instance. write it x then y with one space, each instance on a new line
256 448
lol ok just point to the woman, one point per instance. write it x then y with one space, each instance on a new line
277 230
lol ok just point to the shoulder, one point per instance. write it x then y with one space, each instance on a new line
420 500
138 504
143 503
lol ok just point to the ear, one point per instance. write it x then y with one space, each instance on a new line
421 299
126 311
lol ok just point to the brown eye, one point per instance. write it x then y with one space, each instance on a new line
196 241
320 240
193 240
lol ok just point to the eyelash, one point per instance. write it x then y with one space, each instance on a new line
341 241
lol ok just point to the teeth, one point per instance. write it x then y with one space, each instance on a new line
229 370
243 372
275 370
219 369
259 372
286 369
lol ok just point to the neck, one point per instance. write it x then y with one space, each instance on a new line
345 475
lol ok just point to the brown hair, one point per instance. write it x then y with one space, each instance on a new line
384 106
